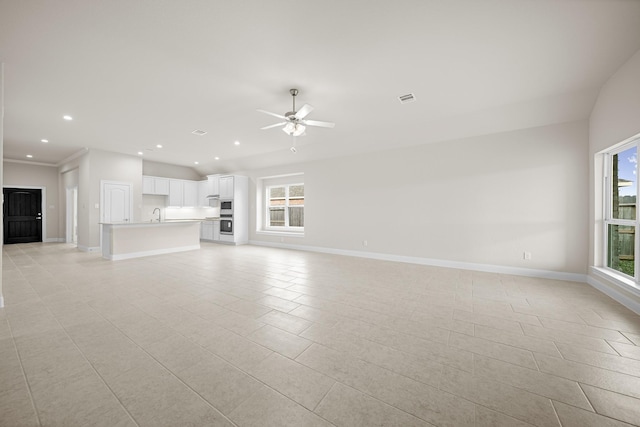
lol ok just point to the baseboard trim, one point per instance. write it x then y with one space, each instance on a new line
150 253
487 268
89 248
609 289
54 240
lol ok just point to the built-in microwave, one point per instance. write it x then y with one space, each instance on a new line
226 226
226 207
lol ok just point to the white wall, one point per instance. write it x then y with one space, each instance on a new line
169 171
481 200
615 117
22 174
93 167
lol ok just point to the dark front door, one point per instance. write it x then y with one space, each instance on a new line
22 215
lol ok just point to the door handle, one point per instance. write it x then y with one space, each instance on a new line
38 217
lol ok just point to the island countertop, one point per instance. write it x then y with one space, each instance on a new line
124 240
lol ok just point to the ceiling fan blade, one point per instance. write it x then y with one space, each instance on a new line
274 126
304 111
317 123
272 114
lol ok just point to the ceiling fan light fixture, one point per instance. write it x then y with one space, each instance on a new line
294 129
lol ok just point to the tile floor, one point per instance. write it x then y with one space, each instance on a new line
253 336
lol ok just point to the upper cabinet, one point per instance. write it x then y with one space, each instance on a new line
226 187
183 193
155 185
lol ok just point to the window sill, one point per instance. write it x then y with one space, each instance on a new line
618 279
281 233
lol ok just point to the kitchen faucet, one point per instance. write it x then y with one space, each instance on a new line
154 211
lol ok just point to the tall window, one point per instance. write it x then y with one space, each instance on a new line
621 219
285 207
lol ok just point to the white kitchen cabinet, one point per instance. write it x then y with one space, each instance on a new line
203 192
190 194
216 231
214 184
206 230
155 185
183 193
175 193
226 187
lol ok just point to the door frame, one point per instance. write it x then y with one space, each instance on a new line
69 214
43 206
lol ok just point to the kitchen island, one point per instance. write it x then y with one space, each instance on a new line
124 240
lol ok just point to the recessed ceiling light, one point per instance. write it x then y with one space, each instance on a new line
67 117
159 146
199 132
237 143
196 163
44 140
29 156
217 158
140 153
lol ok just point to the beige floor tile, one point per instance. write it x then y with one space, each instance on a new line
177 353
239 323
501 397
431 322
517 340
315 315
79 400
546 385
586 374
422 348
486 417
590 331
392 323
614 405
418 399
490 321
412 366
296 381
601 360
626 350
268 408
16 408
237 350
249 308
634 338
280 341
551 313
219 383
288 294
626 326
277 303
492 349
568 338
574 417
285 321
345 406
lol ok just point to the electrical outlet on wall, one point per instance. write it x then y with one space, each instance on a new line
365 243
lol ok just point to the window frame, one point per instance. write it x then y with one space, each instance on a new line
609 220
262 205
285 228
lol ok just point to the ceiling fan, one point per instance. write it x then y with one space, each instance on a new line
294 123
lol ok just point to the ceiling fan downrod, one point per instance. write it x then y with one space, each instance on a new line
294 93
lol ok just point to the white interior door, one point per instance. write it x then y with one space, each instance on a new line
116 202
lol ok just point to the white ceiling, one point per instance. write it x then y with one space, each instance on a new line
136 73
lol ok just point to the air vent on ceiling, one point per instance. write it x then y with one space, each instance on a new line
405 99
199 132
